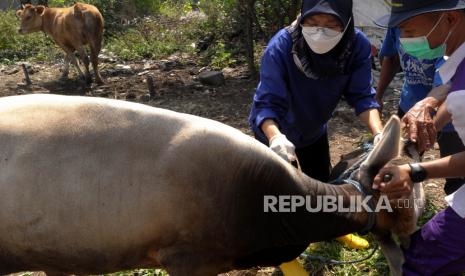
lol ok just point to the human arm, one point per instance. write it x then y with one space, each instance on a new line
442 117
270 128
278 142
372 120
271 103
418 121
390 64
359 93
389 69
400 184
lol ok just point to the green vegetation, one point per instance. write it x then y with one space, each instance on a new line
15 47
135 29
154 29
141 272
376 265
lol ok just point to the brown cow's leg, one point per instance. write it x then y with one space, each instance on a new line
94 51
65 73
85 60
73 60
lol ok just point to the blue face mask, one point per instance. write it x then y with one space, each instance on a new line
419 46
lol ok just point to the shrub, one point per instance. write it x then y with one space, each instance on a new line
16 47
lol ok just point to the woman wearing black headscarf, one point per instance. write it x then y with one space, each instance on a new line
305 71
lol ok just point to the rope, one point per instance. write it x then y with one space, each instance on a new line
348 173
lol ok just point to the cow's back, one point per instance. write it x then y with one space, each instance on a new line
92 20
75 26
100 183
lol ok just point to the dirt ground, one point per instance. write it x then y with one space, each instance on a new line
177 88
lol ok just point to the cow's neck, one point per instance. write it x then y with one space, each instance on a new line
284 235
318 225
47 21
303 227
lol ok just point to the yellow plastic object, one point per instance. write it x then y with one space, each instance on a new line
293 268
353 241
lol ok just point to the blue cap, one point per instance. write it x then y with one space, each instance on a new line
342 9
402 10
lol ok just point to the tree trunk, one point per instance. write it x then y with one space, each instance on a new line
247 11
294 9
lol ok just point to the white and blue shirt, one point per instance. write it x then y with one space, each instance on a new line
419 73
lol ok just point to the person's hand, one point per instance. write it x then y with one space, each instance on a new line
394 181
419 125
283 147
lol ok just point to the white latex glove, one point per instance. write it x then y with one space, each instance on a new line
283 147
377 138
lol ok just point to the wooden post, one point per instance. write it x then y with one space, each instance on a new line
26 74
150 86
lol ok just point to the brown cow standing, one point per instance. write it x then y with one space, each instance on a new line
71 28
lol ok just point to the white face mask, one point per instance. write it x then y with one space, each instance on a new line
322 40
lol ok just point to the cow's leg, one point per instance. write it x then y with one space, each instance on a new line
74 61
392 253
65 73
85 59
94 51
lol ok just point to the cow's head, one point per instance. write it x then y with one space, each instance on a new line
387 149
31 18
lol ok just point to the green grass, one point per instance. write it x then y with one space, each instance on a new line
152 39
137 272
141 272
15 47
376 265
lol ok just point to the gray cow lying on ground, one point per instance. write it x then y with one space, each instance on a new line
92 185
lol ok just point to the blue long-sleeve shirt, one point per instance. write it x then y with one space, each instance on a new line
302 106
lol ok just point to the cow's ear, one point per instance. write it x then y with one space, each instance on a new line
19 12
40 9
387 148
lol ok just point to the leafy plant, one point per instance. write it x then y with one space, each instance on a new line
16 47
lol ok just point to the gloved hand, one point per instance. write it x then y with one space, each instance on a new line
377 138
283 147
